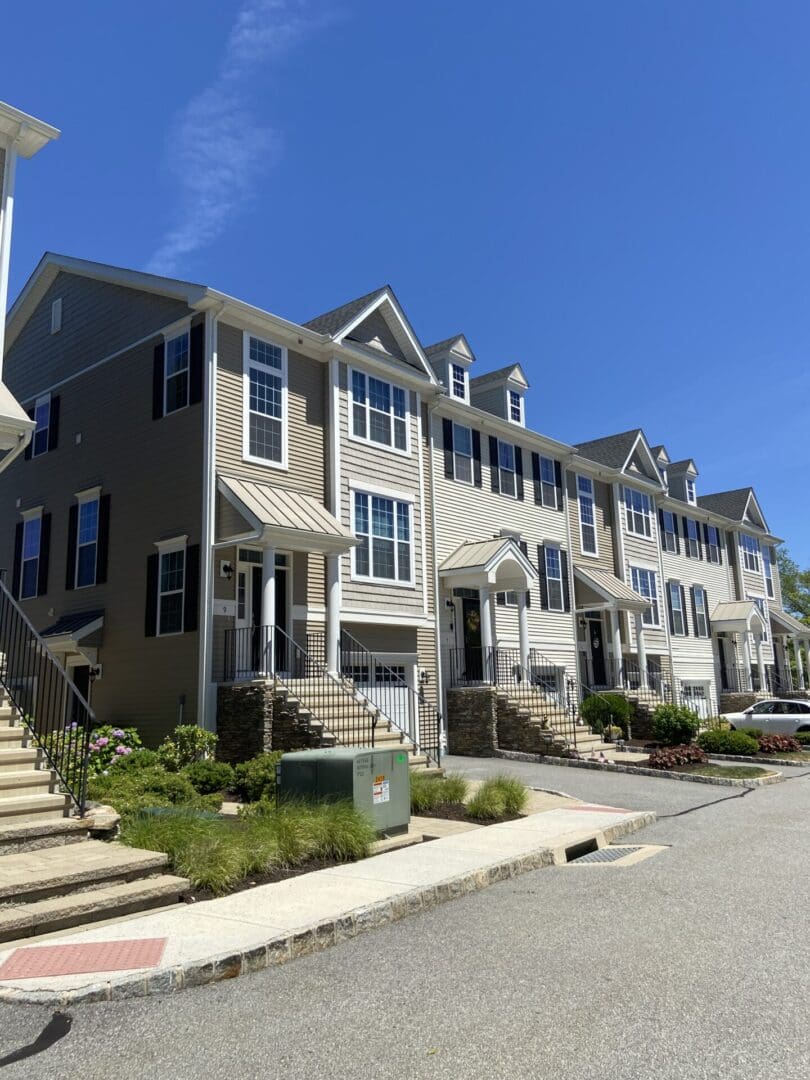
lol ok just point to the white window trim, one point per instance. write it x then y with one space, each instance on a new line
691 491
465 397
167 547
709 545
456 477
649 514
56 315
587 554
556 547
658 599
687 538
681 608
705 613
755 555
82 497
499 467
387 448
674 534
247 363
41 400
172 335
34 514
522 421
362 579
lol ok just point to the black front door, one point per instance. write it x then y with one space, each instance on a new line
81 680
471 622
721 654
597 646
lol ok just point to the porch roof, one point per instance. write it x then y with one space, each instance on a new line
69 630
499 562
736 616
287 518
783 623
14 421
611 588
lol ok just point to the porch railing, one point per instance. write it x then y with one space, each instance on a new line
56 714
625 675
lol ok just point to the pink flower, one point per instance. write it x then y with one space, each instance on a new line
102 741
127 749
120 749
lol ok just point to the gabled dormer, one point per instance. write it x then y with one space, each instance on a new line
451 360
502 393
683 481
662 461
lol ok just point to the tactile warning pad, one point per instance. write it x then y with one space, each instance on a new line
37 961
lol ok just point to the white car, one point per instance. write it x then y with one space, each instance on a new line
773 717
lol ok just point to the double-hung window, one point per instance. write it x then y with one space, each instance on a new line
692 538
265 401
176 374
554 581
42 433
750 550
379 411
691 495
638 508
87 542
587 517
548 483
29 570
507 483
462 453
458 382
767 557
515 407
701 611
670 531
383 527
644 583
713 543
171 586
676 609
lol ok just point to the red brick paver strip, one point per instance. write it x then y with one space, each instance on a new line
47 960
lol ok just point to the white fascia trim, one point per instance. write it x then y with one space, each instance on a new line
27 131
650 460
384 619
172 543
386 296
386 492
32 512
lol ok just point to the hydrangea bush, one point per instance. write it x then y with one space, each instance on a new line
109 744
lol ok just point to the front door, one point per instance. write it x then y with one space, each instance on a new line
471 625
596 642
721 656
249 614
80 677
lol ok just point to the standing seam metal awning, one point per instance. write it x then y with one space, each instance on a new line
615 591
787 624
286 517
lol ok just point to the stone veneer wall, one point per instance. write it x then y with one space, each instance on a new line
471 721
253 718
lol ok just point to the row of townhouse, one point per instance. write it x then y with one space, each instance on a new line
214 493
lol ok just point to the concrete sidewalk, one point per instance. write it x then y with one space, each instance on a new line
271 924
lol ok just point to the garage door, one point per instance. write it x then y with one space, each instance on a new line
386 689
696 697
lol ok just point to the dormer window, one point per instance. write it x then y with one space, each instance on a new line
691 495
458 382
515 407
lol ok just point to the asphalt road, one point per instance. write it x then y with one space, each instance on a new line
690 964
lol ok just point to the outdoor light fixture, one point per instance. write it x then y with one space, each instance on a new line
226 569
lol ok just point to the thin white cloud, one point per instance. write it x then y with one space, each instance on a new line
218 148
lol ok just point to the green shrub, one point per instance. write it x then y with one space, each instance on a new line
138 759
256 779
500 796
606 710
186 744
802 737
674 725
430 792
209 776
670 757
754 732
339 831
130 791
727 742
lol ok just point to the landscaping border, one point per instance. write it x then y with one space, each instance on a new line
760 759
639 770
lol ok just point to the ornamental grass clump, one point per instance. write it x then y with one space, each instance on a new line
429 793
498 797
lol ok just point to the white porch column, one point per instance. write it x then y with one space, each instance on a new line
486 634
642 651
267 631
746 651
332 612
523 630
763 683
797 652
616 635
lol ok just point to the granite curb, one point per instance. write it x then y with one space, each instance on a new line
311 938
760 759
638 770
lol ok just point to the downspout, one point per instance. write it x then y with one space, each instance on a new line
6 214
204 679
571 577
441 696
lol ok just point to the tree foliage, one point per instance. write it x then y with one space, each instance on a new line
795 585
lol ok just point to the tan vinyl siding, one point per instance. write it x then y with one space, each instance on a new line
603 512
642 552
152 470
98 319
229 522
753 585
375 331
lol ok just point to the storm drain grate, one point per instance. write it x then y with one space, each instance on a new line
607 854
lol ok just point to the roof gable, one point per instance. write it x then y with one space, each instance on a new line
737 505
458 346
627 451
511 373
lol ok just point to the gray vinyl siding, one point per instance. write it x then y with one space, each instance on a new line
605 557
363 462
643 552
491 398
375 331
152 471
467 513
753 584
98 319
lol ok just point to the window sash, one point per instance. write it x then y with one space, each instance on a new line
457 381
176 373
42 419
750 546
462 454
768 569
86 543
713 543
638 512
693 538
548 483
515 407
507 470
701 612
676 606
379 412
690 492
670 532
265 401
645 584
554 581
587 518
383 527
171 591
29 570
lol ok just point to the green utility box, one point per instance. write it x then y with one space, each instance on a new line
376 781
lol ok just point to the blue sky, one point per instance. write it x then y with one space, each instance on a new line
613 194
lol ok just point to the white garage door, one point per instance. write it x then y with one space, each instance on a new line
386 690
696 697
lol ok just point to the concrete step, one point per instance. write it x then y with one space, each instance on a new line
18 758
30 782
11 737
61 912
35 834
37 875
39 807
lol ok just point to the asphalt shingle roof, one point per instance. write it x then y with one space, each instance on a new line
612 450
332 321
440 346
730 504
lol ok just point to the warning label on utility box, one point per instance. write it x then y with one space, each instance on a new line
380 792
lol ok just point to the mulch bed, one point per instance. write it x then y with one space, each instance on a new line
458 812
267 877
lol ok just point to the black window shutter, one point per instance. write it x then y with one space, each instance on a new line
17 566
536 478
719 548
677 533
694 611
558 485
519 471
541 570
191 602
447 439
524 547
103 549
686 550
669 608
683 606
708 620
699 540
476 447
494 474
661 529
157 381
29 450
564 571
196 350
44 554
151 607
53 423
73 528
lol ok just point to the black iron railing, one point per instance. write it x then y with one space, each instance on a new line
407 710
625 676
56 714
738 679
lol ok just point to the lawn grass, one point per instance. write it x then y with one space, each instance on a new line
730 772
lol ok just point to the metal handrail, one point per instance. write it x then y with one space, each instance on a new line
57 715
387 688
